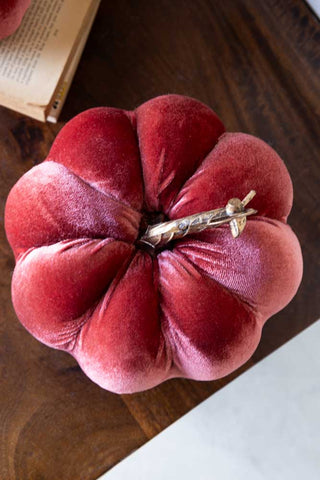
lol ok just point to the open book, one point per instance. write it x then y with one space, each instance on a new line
38 62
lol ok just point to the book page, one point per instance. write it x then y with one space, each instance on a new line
33 58
67 77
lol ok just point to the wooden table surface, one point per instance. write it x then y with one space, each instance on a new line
257 63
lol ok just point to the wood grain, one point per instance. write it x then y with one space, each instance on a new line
257 64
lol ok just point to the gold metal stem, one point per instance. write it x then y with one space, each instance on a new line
233 213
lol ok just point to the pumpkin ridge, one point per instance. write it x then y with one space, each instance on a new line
101 299
93 185
245 304
173 201
72 324
162 318
131 115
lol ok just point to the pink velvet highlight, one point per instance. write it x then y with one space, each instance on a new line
11 14
132 319
58 205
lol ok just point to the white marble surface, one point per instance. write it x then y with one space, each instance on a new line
315 5
265 425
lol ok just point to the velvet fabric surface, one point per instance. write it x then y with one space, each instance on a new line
132 319
11 14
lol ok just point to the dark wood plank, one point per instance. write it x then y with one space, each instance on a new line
257 64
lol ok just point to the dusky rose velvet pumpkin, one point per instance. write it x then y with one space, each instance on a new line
131 319
11 14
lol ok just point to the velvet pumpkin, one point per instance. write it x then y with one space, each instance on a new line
133 319
11 14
